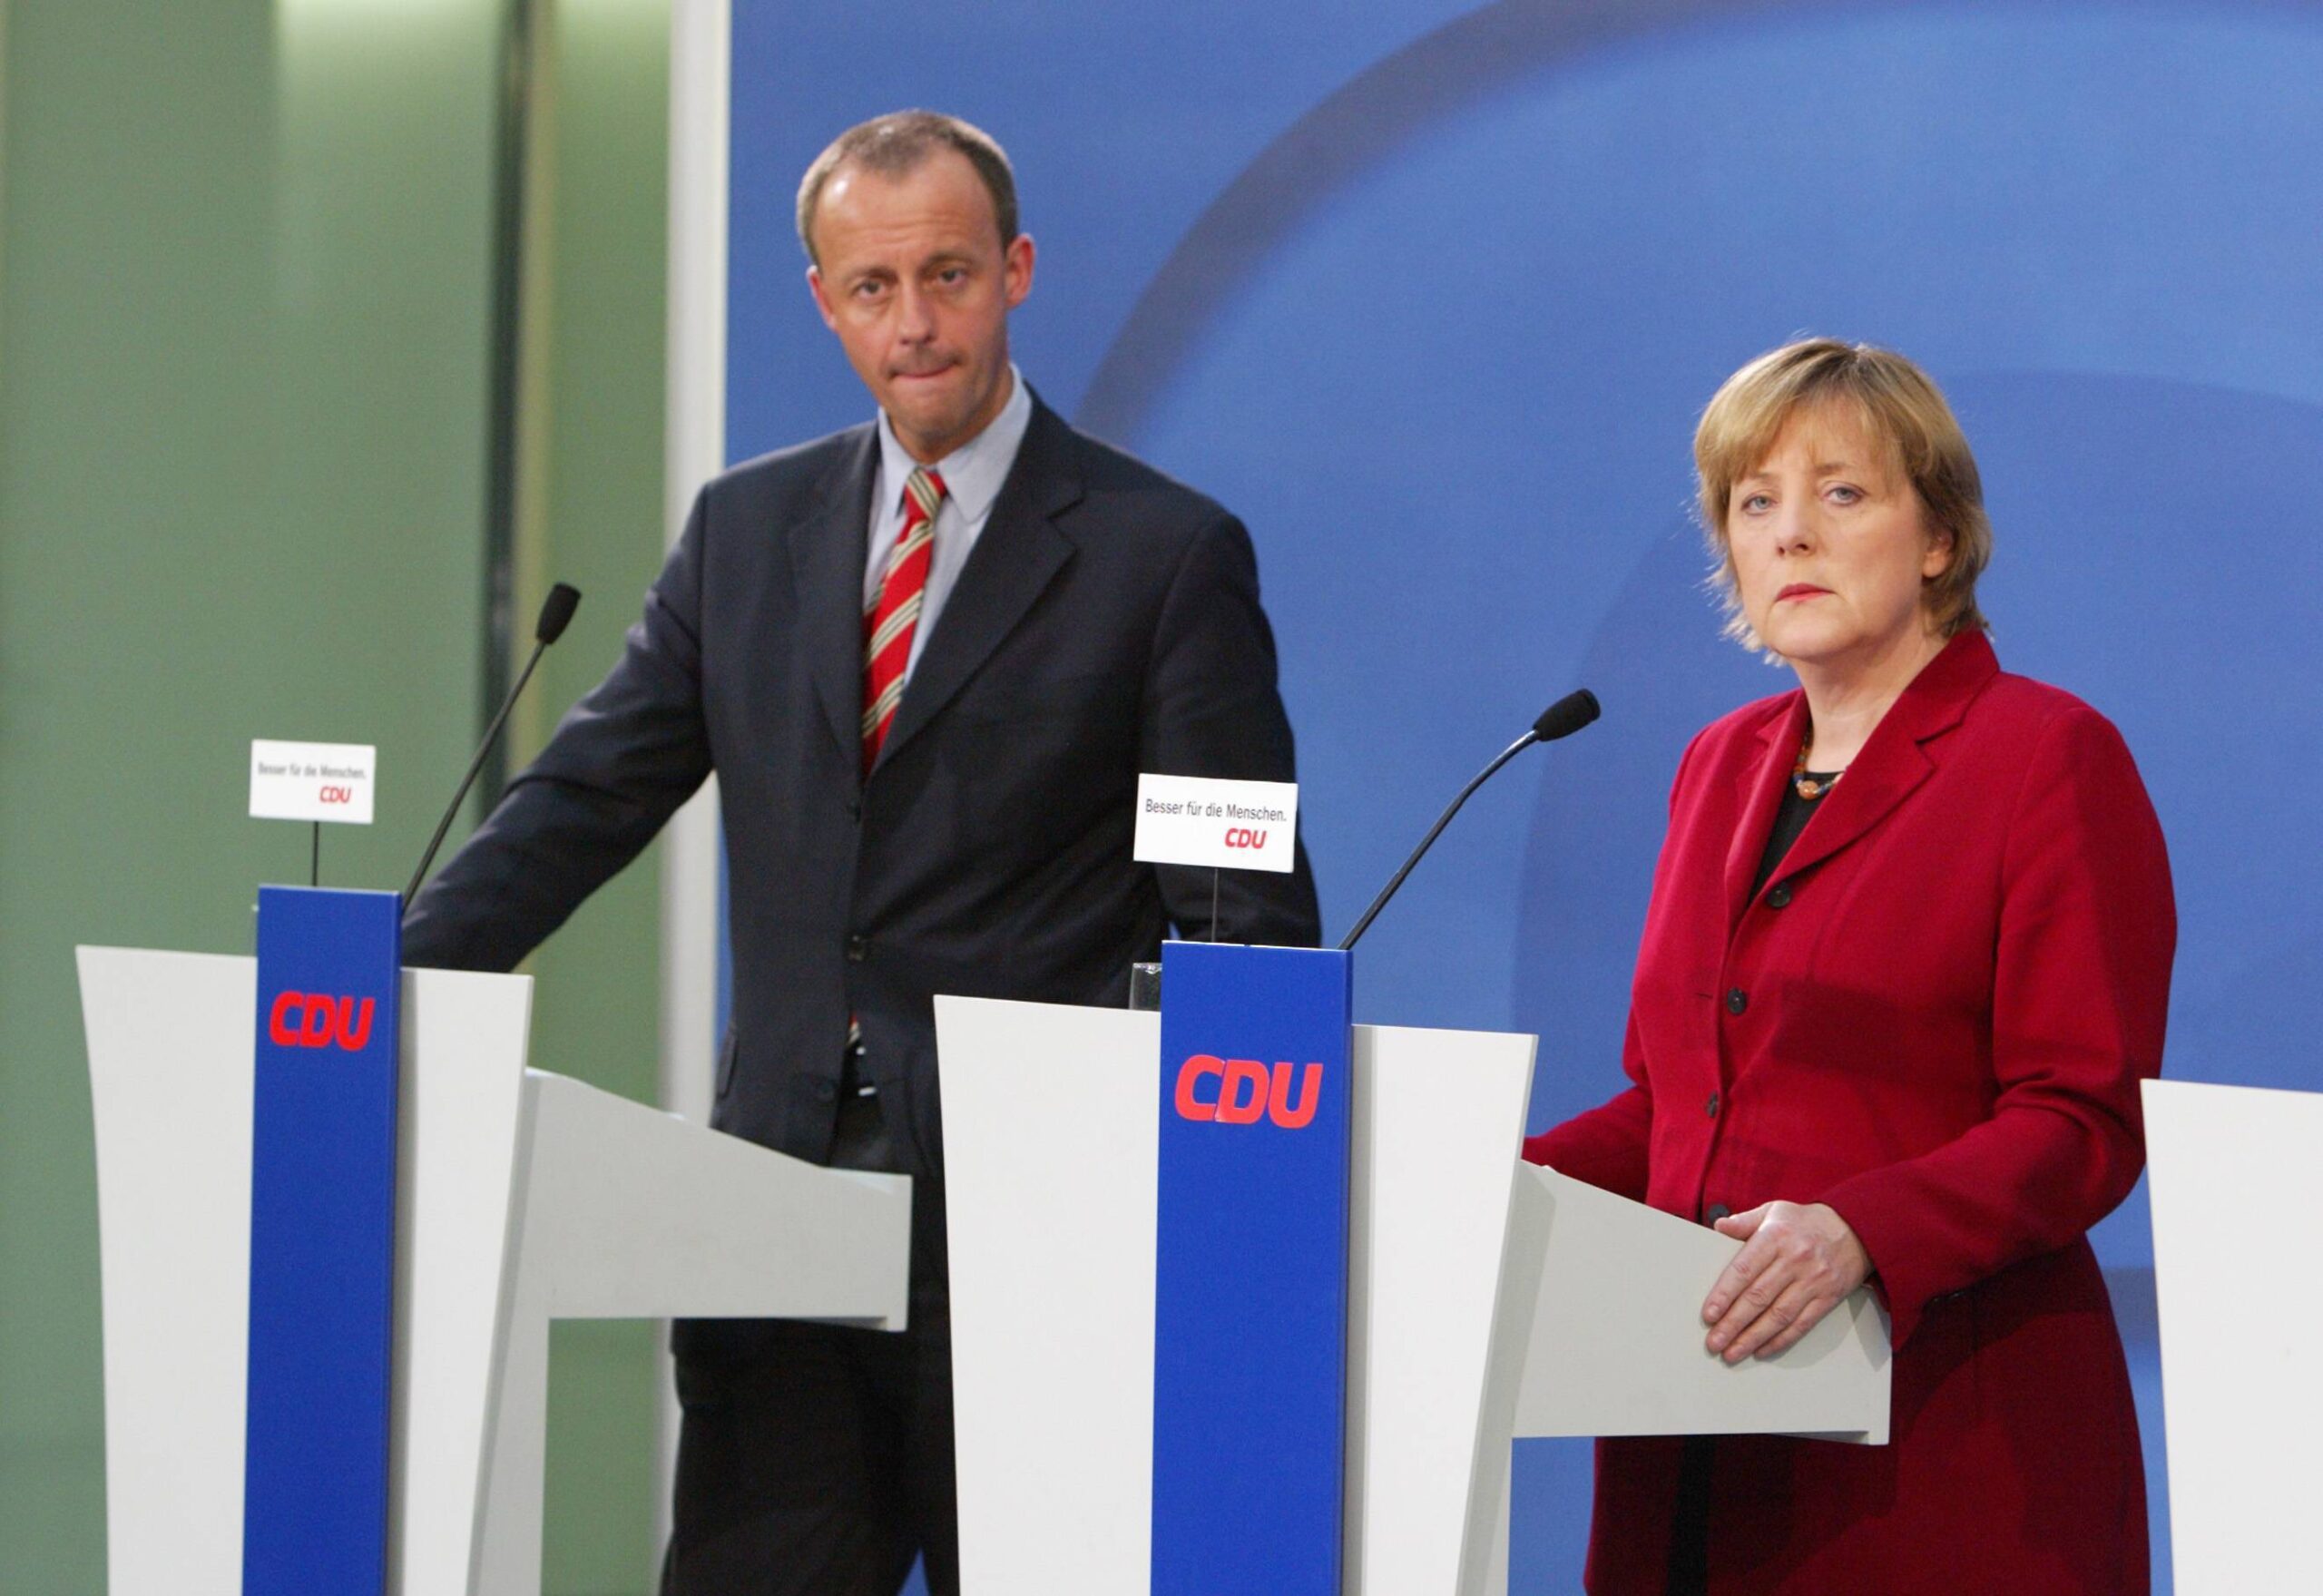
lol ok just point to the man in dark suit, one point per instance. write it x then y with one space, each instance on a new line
928 658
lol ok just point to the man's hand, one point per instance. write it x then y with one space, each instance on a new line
1796 1265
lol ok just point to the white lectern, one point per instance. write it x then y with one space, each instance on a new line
2238 1228
1490 1299
522 1196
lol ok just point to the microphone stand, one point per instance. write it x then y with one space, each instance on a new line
1389 891
1568 715
556 613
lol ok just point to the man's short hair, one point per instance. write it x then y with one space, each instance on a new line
894 145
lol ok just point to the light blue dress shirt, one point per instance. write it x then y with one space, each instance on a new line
971 476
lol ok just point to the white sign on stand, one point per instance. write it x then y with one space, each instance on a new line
312 781
1229 824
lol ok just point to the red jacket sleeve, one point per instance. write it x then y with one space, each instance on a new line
1607 1146
2088 927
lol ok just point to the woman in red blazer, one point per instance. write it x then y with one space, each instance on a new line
1907 961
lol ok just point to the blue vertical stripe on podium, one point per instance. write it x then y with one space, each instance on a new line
322 1242
1250 1280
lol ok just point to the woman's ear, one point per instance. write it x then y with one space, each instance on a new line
1938 558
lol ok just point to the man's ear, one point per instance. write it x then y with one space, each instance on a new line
822 296
1016 268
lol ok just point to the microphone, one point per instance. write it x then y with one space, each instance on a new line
1568 715
556 615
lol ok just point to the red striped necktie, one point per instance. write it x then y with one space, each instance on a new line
894 615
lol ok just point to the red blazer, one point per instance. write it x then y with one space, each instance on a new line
1933 1018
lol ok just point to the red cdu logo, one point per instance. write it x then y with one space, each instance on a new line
301 1020
1246 1092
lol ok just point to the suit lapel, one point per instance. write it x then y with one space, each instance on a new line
826 559
1893 761
1889 766
1019 553
1758 794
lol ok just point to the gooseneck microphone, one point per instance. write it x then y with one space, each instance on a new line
1568 715
556 615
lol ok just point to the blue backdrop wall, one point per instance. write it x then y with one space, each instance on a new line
1432 296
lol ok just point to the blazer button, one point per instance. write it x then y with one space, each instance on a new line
1711 1108
1779 898
855 949
1715 1212
1736 1001
826 1092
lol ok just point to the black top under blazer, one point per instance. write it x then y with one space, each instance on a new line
1106 623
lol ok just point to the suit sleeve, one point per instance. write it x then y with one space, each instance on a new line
620 763
1211 708
2080 985
1608 1146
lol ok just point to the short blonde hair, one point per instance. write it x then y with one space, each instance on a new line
1898 406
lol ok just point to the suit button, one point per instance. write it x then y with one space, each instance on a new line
1715 1212
826 1092
855 949
1711 1108
1736 1001
1779 898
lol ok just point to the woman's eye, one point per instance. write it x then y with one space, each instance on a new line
1754 503
1844 494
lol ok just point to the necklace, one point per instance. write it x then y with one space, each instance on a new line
1805 785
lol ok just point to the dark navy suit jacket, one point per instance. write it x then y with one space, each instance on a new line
1107 622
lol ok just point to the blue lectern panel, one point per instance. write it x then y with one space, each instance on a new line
322 1242
1249 1362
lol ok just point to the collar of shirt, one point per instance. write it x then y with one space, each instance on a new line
971 473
